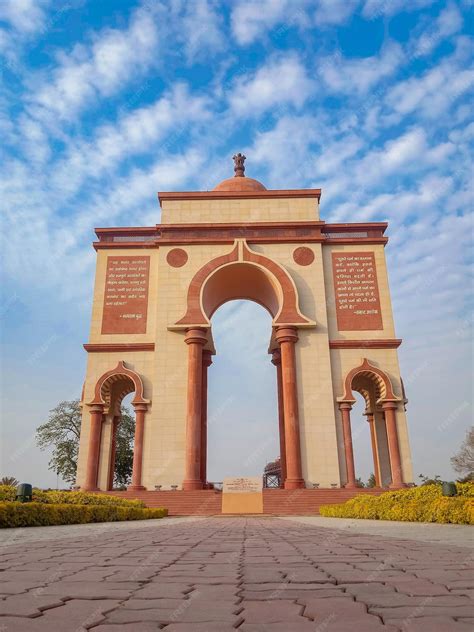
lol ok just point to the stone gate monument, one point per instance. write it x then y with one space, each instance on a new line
326 288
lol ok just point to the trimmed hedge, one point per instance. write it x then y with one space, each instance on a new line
8 493
36 514
416 504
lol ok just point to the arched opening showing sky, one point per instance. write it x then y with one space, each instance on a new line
364 463
242 406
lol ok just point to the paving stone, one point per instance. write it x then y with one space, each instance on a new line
276 612
431 624
131 627
186 612
91 590
27 605
157 590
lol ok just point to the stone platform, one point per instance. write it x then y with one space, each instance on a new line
222 574
276 502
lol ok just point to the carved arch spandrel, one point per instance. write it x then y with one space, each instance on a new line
381 380
280 297
130 381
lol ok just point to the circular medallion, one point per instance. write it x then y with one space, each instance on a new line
177 257
303 256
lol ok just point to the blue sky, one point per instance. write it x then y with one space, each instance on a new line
106 103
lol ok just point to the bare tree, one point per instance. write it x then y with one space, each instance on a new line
463 461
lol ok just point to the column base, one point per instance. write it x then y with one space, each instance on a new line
90 489
191 485
294 483
397 485
351 486
135 488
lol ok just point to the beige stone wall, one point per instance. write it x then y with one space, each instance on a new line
239 210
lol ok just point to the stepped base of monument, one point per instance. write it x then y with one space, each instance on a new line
276 502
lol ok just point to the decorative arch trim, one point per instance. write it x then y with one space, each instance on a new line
132 382
383 384
282 300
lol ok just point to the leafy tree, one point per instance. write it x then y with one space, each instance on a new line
62 431
124 449
360 482
463 460
371 482
9 480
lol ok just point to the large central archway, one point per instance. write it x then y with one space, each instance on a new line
242 274
242 420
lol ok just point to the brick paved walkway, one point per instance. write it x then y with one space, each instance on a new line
218 574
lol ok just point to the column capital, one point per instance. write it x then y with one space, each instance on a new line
96 408
195 336
345 405
370 417
276 357
206 357
140 406
286 334
389 405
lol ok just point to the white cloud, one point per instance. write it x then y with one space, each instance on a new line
432 93
374 9
349 75
25 16
283 151
136 132
446 24
282 81
114 58
334 12
201 28
251 19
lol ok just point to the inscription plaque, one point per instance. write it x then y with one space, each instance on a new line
126 295
356 291
242 485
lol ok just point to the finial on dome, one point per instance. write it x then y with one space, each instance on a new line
239 167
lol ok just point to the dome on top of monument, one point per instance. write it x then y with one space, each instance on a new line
239 182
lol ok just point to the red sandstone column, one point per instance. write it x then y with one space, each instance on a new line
140 410
195 339
375 453
113 449
92 468
389 409
345 408
286 338
206 363
276 360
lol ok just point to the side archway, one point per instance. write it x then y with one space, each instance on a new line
109 391
381 404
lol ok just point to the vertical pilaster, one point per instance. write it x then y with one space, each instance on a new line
286 338
389 409
195 339
345 408
140 410
375 451
206 363
92 468
276 360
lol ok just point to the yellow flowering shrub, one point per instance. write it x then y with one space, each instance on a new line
8 493
415 504
34 514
